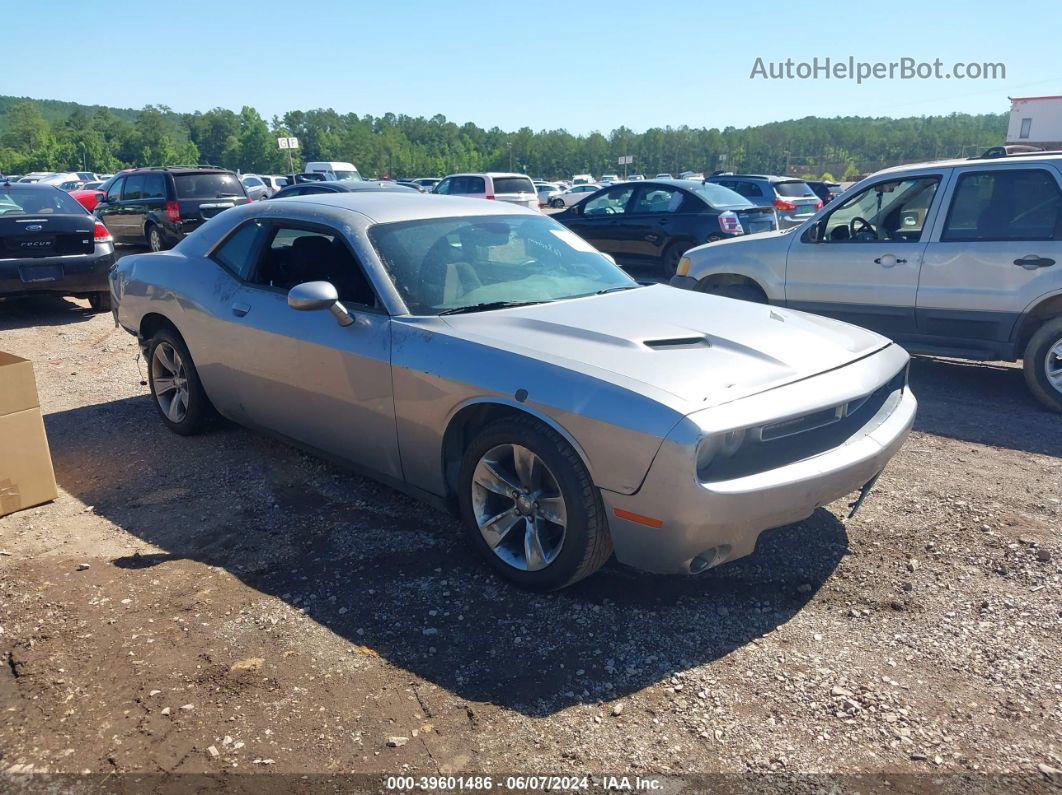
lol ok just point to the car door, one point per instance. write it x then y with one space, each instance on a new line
654 219
302 375
134 209
153 198
996 250
110 210
599 220
860 261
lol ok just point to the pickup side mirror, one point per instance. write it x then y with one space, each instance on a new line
310 296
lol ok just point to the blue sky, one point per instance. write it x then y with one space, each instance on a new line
546 64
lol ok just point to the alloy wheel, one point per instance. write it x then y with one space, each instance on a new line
170 380
154 240
519 507
1053 365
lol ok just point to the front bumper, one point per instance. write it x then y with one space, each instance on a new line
683 282
703 524
67 275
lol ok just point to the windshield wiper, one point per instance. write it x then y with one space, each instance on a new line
486 307
618 288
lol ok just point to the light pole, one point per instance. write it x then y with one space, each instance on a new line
510 144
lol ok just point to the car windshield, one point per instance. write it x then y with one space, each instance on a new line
28 201
446 264
207 186
346 175
720 197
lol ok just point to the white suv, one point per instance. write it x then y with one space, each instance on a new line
512 188
956 258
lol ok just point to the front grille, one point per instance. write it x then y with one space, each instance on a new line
786 442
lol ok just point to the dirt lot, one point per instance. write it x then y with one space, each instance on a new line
225 602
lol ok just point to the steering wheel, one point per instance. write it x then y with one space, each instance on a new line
863 230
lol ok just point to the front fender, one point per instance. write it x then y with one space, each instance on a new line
759 258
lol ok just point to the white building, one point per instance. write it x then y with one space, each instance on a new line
1036 121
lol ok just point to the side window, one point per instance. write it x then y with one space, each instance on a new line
154 186
894 210
444 186
114 193
658 200
295 255
749 189
134 187
611 202
237 253
1004 205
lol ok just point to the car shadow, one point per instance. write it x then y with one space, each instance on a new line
393 576
27 311
982 402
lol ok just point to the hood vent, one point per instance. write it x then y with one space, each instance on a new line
677 343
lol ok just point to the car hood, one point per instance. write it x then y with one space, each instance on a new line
686 349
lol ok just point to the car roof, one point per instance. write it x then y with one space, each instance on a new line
768 177
487 174
30 185
1024 157
389 206
179 170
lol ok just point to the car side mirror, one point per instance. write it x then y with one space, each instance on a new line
309 296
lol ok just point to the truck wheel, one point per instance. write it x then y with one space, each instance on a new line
101 301
530 507
1043 364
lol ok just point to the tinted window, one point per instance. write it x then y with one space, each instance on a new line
610 202
237 252
513 185
114 192
15 201
443 187
468 185
793 190
1004 205
252 182
208 186
658 200
154 186
134 187
297 255
721 197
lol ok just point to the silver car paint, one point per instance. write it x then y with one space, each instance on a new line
381 393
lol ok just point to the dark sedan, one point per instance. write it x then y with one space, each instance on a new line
656 221
50 243
343 186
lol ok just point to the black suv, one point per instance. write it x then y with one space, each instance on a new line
159 206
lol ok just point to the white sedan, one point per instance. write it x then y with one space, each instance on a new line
573 195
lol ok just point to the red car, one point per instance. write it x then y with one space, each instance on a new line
87 198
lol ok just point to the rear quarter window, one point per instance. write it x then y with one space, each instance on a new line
513 185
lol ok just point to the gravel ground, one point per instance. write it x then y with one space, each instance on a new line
227 603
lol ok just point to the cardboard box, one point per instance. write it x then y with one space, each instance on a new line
26 476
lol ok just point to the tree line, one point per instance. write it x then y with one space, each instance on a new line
38 135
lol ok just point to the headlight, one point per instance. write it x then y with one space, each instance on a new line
683 268
718 445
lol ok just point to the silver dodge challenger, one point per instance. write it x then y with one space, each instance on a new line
483 357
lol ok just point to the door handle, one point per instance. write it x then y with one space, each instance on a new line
240 309
888 260
1031 262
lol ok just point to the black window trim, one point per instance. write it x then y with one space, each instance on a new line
994 171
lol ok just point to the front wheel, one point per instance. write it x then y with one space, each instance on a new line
530 507
556 204
1043 364
179 397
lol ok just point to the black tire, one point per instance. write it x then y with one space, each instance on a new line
1035 361
672 254
556 204
155 239
100 302
586 545
739 292
199 409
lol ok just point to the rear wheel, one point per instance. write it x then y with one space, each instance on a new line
556 203
530 507
672 254
154 238
1043 364
101 301
175 386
